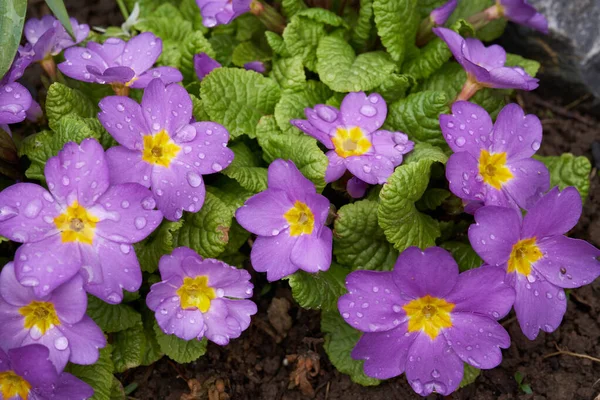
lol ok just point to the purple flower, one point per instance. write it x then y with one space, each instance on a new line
82 225
161 149
15 99
27 373
484 65
289 219
48 37
204 65
521 12
57 321
257 66
353 138
538 259
221 12
425 319
201 297
492 164
119 63
440 15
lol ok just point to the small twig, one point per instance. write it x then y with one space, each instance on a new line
562 111
577 102
570 353
179 373
509 321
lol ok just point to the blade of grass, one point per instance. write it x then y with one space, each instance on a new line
12 18
60 12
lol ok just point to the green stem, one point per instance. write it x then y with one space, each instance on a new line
268 15
123 9
484 17
424 35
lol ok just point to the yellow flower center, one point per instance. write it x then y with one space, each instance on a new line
300 218
40 314
196 294
524 253
12 385
350 142
493 169
76 224
159 149
428 314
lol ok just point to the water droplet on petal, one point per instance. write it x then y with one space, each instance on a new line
396 308
435 374
326 114
148 203
217 167
368 111
535 146
86 55
65 180
33 209
194 179
125 248
61 343
460 142
366 168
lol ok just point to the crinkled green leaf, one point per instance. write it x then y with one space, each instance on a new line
237 99
190 12
361 30
569 170
207 231
433 198
160 242
319 291
289 73
248 27
62 100
324 16
116 390
112 317
167 22
465 9
359 241
198 110
463 253
246 52
340 339
229 192
223 46
301 38
246 169
530 66
179 350
277 44
402 223
193 44
292 7
301 149
469 376
425 151
426 6
99 375
341 70
395 87
12 18
417 115
292 104
238 236
397 22
128 346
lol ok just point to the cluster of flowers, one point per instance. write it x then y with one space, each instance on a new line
422 318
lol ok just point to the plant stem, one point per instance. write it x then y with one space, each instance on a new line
268 15
123 9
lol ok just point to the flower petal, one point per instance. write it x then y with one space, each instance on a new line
367 112
556 213
356 188
324 118
85 338
164 292
77 60
122 118
12 329
392 145
171 264
262 214
233 282
284 175
468 128
271 254
166 107
530 181
516 134
127 166
312 253
494 233
493 56
373 169
462 172
15 100
70 300
11 290
336 167
33 358
167 75
311 130
511 78
141 52
73 388
185 324
207 152
453 40
221 324
204 65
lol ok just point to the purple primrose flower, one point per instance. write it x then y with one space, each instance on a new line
161 149
538 259
257 66
48 37
354 140
15 99
520 12
492 163
119 63
27 373
484 65
425 319
57 321
82 225
289 219
221 12
204 65
440 15
201 297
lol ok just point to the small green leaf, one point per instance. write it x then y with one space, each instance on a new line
320 290
340 339
530 66
359 241
395 87
463 253
425 151
160 242
116 390
60 12
12 18
179 350
277 44
292 104
433 198
193 44
223 46
361 32
62 100
289 73
128 346
469 376
198 111
112 317
465 9
246 169
397 22
292 7
301 38
246 52
229 192
99 375
324 16
569 170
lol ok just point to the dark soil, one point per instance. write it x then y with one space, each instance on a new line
283 343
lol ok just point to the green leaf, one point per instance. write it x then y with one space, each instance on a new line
341 70
237 99
361 32
160 242
207 231
12 18
530 66
397 22
99 375
493 30
463 253
292 7
418 116
277 44
193 44
128 346
301 38
340 339
469 376
112 317
395 87
62 100
116 390
324 16
179 350
246 52
302 150
402 223
433 198
321 290
358 240
198 108
569 170
292 104
60 12
289 73
248 27
246 169
223 46
229 192
189 11
425 151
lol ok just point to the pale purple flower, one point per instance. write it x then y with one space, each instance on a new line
27 373
221 12
204 65
289 219
521 12
492 163
538 258
425 319
257 66
57 321
354 140
201 298
48 37
15 99
82 225
440 15
162 149
117 62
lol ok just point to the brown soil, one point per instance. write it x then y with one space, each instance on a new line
256 366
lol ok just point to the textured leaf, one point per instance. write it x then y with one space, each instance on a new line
465 9
395 87
569 170
340 339
359 241
361 32
246 52
324 16
292 7
342 71
179 350
99 375
321 290
301 37
193 44
289 73
248 27
292 104
246 169
402 223
463 253
62 100
469 376
116 390
112 317
198 111
397 22
425 151
223 46
433 198
160 242
229 192
277 44
128 346
237 99
12 18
